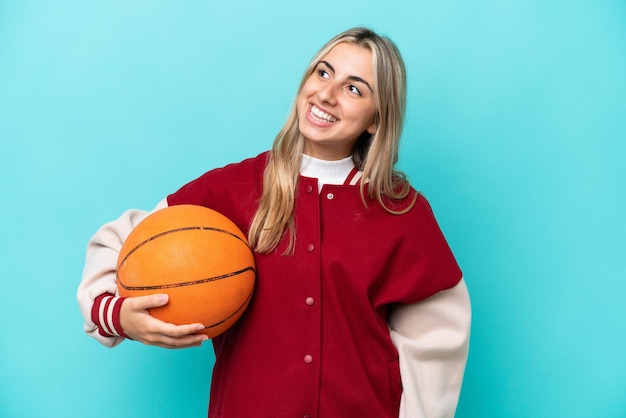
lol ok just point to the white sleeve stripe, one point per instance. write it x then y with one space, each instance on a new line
109 316
104 314
116 302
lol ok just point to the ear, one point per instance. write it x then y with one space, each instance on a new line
372 128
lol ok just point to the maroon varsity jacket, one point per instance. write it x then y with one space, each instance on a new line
314 341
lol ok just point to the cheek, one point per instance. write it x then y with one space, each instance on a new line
308 86
303 97
372 111
365 115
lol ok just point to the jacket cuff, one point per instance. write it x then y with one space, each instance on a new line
105 313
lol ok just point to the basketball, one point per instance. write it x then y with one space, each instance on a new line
198 257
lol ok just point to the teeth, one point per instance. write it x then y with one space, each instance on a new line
320 114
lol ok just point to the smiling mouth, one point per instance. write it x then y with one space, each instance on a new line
322 116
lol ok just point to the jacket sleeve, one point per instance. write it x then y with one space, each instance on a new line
432 338
97 293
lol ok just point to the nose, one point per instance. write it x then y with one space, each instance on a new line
327 94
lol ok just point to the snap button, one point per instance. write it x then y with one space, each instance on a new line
310 248
309 301
330 196
308 359
309 189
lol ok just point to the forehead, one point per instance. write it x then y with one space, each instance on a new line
351 60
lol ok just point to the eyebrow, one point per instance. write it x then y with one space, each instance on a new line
351 77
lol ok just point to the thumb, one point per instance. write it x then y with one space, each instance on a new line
151 301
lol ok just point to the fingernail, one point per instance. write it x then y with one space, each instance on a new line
200 327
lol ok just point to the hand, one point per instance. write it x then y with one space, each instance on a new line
139 325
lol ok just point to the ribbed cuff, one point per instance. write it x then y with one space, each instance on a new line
105 313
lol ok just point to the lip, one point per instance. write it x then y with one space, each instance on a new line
317 121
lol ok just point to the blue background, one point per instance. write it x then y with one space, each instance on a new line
515 132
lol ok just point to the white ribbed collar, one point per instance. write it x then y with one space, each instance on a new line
326 172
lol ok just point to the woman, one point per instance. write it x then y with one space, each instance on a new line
359 308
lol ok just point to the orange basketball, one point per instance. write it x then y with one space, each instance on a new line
195 255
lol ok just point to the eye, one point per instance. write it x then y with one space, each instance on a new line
354 89
323 73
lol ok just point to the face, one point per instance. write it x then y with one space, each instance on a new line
336 104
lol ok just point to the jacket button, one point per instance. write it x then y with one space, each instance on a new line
310 301
309 189
308 359
310 248
308 416
330 196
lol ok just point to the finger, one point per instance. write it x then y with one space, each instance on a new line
149 301
178 331
193 340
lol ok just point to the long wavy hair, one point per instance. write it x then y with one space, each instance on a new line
373 154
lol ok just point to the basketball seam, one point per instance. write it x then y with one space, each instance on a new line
243 305
172 231
193 282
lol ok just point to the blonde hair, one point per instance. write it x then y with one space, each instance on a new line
374 154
